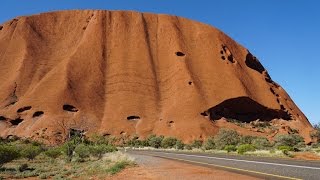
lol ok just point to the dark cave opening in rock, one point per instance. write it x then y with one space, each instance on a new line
246 110
70 108
37 114
133 117
180 53
16 121
26 108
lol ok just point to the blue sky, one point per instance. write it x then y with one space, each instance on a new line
283 34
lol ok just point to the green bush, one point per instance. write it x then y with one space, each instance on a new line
188 147
8 153
179 144
117 167
23 167
230 148
82 150
226 137
168 142
99 150
30 151
288 140
54 152
155 141
197 143
261 143
98 139
209 143
247 139
283 148
245 148
69 147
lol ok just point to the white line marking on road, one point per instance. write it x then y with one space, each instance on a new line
240 160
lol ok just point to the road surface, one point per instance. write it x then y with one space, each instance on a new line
266 168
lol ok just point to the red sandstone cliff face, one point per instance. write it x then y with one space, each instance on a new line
126 73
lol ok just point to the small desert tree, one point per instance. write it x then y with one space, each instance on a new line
8 153
226 137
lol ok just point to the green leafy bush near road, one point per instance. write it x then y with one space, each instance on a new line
245 148
230 148
155 141
179 144
209 143
117 167
226 137
100 149
288 140
8 153
168 142
247 139
196 143
261 143
287 148
316 133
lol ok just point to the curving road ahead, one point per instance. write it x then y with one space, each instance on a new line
266 168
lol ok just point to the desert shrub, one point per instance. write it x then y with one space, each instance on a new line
23 167
179 144
168 142
315 145
30 151
287 148
54 152
69 147
316 133
188 147
8 153
98 139
197 143
261 143
135 142
82 150
245 148
155 141
99 150
230 148
247 139
117 167
209 143
226 137
288 140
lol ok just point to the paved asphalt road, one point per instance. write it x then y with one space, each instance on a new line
266 168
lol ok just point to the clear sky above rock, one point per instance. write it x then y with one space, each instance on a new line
284 34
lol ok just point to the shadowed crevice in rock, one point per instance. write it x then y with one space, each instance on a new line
133 117
16 121
253 63
178 53
2 118
68 107
245 110
26 108
37 114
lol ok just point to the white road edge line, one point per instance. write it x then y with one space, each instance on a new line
240 160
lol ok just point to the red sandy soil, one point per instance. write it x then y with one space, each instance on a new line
167 169
124 73
306 156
